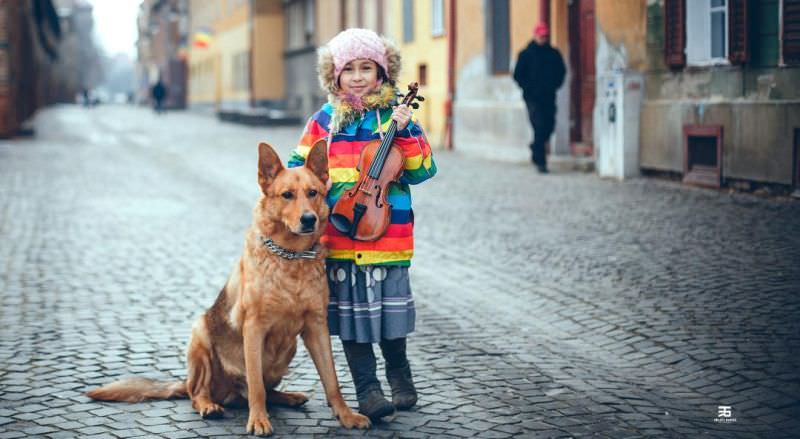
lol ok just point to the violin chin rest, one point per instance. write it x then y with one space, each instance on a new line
340 223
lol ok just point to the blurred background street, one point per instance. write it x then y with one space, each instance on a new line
646 287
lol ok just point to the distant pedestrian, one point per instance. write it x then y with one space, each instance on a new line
540 72
370 292
159 93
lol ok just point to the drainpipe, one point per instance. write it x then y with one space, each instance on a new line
451 75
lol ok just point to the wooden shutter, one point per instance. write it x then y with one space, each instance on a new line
675 33
791 31
738 50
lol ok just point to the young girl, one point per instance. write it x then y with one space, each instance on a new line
370 299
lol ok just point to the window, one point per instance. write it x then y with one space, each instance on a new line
706 32
437 18
241 71
765 26
300 24
422 74
408 21
499 37
308 21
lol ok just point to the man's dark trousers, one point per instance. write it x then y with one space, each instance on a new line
543 119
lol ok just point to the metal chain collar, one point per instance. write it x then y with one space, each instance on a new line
287 254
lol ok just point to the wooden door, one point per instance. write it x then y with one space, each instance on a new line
582 85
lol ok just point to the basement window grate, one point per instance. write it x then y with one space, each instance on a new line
702 155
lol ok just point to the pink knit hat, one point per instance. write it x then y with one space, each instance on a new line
353 44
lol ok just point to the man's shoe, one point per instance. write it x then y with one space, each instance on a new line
404 394
542 169
372 403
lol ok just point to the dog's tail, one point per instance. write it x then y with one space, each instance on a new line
139 389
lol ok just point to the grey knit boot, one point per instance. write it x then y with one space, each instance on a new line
361 360
398 373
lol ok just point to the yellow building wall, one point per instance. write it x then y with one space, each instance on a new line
268 71
471 31
624 23
202 76
559 27
232 37
202 62
432 52
524 15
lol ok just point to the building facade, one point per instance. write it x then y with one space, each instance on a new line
716 80
236 58
47 56
722 102
161 49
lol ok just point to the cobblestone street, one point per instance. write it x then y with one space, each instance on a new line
547 306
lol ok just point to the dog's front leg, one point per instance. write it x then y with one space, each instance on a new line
258 421
318 343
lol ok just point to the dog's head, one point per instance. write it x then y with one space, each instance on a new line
295 197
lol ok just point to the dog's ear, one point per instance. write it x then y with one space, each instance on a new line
269 166
317 160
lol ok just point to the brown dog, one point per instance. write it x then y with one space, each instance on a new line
242 346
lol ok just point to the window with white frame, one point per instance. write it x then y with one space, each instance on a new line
437 18
706 32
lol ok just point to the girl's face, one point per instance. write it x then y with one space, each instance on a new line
359 77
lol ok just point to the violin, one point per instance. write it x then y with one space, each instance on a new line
363 212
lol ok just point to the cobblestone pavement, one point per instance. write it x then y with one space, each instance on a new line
548 306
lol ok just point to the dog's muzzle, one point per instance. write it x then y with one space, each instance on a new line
307 222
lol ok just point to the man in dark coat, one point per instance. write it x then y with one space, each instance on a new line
159 93
540 72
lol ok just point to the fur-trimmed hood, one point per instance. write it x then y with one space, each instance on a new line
326 69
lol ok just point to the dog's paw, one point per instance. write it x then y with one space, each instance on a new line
351 419
211 411
258 424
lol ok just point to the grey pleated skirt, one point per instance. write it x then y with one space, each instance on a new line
369 302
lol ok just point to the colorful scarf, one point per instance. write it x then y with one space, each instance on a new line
348 108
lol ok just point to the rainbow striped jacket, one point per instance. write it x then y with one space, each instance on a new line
396 247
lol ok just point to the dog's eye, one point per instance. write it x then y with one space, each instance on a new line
288 195
312 193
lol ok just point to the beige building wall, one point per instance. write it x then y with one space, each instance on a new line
327 20
268 42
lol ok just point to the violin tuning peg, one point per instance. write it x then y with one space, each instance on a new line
415 105
400 95
420 98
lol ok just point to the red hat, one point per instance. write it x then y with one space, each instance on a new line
541 30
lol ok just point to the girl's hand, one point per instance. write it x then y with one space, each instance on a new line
402 115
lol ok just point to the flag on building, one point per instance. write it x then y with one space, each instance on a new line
202 38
